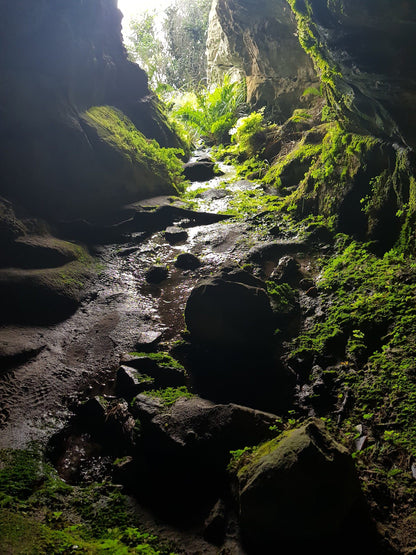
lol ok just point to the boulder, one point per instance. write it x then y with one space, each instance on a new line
299 489
156 274
287 270
201 170
199 429
147 340
165 373
187 261
215 524
229 314
175 235
130 382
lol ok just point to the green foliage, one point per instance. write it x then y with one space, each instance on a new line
146 48
170 395
251 202
282 295
245 130
186 28
20 473
371 303
313 91
171 47
213 113
120 131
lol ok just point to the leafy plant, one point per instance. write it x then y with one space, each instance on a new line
213 113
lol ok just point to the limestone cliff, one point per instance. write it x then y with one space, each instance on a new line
58 60
258 40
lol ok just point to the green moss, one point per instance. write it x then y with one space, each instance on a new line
371 304
282 295
120 131
40 514
163 359
169 395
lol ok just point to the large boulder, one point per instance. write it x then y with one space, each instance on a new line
300 489
229 314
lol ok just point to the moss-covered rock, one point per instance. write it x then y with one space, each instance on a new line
299 488
46 283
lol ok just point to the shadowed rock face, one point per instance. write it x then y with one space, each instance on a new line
258 39
370 44
58 59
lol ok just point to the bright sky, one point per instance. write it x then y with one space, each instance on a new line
130 8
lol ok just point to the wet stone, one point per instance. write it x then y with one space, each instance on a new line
156 274
175 235
187 261
130 382
287 270
201 170
147 340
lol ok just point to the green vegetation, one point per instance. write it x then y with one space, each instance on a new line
40 514
170 395
212 114
160 163
171 47
371 312
162 359
282 295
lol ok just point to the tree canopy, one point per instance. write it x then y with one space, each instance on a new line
171 47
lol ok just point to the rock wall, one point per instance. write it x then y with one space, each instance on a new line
258 40
364 50
58 59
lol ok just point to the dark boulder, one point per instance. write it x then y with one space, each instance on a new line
164 372
287 270
183 452
130 382
201 170
175 235
228 314
215 524
187 261
300 490
156 274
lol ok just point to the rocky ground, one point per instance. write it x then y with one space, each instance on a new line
102 393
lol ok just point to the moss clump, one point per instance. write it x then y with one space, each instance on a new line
162 359
118 130
40 514
170 395
282 295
